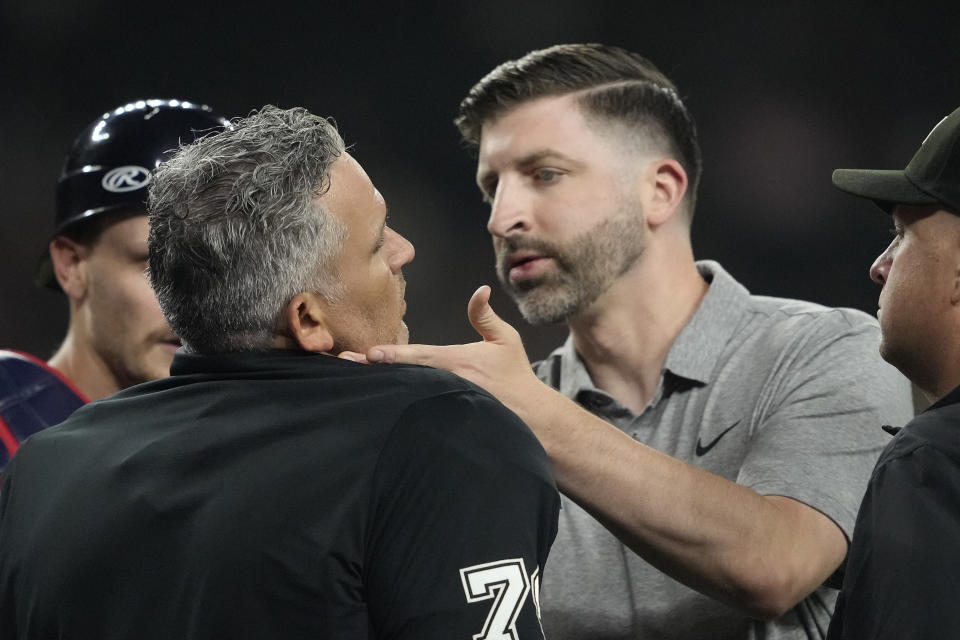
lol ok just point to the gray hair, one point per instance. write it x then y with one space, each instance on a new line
236 232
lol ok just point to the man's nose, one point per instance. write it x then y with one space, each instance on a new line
510 211
402 253
881 267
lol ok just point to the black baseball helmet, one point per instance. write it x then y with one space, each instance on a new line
110 164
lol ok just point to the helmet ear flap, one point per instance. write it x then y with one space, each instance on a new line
111 162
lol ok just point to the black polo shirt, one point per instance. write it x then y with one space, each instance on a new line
902 577
278 495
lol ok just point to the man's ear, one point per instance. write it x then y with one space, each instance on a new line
69 260
307 323
666 183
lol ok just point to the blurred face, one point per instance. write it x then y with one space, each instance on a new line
565 220
371 311
918 273
121 318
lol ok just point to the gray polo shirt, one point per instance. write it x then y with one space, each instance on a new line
782 396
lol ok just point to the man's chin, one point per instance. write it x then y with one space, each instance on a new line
537 311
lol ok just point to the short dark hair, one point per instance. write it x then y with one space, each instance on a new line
616 85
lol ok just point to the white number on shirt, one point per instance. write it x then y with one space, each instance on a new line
507 584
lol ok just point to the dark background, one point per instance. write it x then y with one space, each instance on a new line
783 93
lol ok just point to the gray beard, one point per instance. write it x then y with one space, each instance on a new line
584 268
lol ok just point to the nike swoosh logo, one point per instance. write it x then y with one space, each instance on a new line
702 450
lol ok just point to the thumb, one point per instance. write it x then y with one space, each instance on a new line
490 326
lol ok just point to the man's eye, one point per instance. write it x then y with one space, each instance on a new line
546 175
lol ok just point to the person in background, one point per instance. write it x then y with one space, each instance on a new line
116 336
900 579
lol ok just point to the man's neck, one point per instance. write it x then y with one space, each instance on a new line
87 372
624 338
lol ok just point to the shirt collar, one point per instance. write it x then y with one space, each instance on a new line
573 373
187 363
951 398
696 351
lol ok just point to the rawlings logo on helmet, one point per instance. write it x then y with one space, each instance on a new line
126 178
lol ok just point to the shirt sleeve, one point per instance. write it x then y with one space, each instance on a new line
900 582
464 512
820 433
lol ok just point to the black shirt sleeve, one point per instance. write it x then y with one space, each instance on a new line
901 576
463 513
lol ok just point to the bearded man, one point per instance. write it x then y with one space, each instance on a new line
713 445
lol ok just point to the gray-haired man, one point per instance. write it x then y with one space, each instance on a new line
267 489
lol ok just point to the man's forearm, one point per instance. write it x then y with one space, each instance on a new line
759 553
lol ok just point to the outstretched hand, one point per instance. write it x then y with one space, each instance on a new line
498 363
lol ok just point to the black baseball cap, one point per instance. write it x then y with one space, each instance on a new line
932 177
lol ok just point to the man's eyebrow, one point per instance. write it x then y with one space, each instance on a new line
537 156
